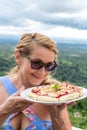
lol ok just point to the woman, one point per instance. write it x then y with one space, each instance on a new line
35 56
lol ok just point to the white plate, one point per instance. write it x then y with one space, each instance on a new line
25 96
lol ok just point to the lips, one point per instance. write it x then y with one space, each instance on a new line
38 77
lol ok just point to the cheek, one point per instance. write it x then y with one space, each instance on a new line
25 68
28 70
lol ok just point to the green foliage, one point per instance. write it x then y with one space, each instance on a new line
72 64
6 59
81 108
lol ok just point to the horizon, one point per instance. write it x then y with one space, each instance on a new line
57 39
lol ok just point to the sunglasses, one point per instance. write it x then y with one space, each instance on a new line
37 64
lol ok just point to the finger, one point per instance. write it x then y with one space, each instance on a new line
71 104
61 105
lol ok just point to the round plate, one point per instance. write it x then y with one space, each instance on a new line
24 94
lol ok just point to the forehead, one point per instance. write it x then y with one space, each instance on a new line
43 53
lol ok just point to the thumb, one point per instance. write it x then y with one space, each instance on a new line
19 91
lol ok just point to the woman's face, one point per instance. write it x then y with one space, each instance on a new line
35 77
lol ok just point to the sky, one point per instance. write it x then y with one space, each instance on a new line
54 18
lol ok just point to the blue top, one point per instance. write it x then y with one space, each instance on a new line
36 123
8 85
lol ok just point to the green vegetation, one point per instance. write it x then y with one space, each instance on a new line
6 58
72 64
72 68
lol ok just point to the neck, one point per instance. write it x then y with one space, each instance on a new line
18 80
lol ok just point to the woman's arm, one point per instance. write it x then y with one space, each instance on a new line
60 118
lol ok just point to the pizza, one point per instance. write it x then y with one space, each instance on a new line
59 92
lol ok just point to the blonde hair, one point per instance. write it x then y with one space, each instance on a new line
28 41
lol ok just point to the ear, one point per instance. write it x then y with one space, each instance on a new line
18 57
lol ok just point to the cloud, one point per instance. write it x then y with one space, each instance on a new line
21 16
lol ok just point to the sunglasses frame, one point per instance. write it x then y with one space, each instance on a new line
43 64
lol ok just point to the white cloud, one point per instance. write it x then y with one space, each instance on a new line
61 18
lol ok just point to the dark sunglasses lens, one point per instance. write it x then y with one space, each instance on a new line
39 64
36 64
50 66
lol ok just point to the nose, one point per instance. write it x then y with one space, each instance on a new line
43 71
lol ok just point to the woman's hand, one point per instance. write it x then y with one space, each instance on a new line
15 103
